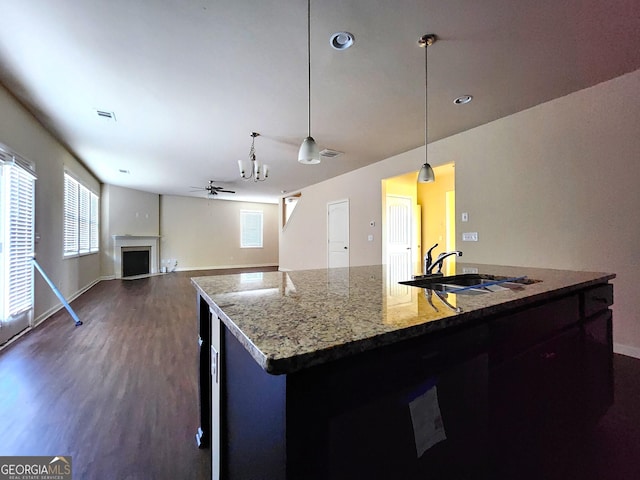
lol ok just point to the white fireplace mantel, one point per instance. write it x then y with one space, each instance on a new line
120 241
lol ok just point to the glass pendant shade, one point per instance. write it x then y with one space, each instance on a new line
309 153
426 174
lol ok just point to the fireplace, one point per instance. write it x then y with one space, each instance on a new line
130 251
135 261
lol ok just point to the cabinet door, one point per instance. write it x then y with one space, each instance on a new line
533 402
204 368
597 366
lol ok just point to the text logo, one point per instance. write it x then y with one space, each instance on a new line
35 468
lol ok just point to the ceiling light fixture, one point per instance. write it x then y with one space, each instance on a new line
463 99
258 173
309 153
426 172
341 40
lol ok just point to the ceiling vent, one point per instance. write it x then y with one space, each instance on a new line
330 153
106 115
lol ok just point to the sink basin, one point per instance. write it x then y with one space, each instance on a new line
470 284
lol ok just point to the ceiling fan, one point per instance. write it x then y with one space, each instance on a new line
212 189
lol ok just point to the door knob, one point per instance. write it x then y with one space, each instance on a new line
345 248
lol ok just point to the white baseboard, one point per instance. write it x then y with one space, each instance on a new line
108 277
626 350
45 315
56 308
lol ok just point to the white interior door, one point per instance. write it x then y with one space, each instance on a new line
338 233
399 245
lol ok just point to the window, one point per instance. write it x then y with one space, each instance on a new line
81 218
250 229
17 192
289 204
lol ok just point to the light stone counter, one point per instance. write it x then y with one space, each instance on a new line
288 321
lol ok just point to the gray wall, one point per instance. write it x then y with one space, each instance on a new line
554 186
126 212
20 131
205 233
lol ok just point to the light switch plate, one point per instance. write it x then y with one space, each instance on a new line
470 237
465 217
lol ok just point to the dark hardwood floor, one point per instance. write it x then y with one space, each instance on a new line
119 393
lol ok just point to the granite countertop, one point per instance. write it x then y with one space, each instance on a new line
288 321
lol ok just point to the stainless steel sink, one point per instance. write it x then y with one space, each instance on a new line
470 284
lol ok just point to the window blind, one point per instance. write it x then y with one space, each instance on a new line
250 229
81 218
71 226
18 192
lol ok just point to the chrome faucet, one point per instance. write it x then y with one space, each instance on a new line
428 293
430 264
427 260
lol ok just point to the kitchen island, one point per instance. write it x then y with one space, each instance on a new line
345 373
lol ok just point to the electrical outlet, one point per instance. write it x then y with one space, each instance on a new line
470 237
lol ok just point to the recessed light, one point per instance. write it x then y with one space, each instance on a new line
341 40
463 99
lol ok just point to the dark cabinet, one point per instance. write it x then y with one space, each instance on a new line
204 372
550 380
534 401
498 396
597 367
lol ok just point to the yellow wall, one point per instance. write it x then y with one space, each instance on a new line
403 186
432 200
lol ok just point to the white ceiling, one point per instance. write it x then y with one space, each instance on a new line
190 80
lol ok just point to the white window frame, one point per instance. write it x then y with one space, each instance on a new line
16 237
250 221
81 219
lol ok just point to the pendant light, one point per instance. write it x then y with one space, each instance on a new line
426 172
258 173
309 153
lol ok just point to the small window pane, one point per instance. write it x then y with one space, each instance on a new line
94 223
